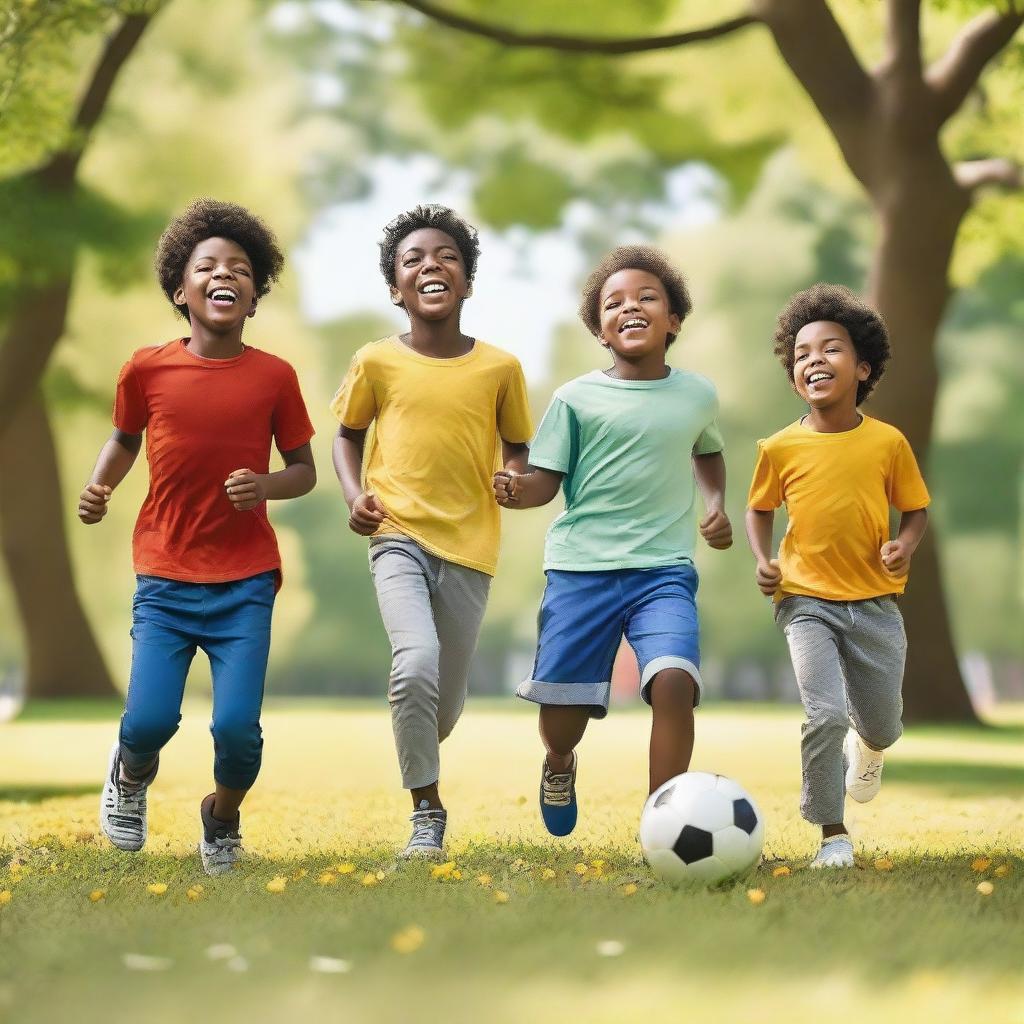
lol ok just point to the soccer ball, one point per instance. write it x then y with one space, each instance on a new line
701 828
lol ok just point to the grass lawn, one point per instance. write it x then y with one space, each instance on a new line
522 935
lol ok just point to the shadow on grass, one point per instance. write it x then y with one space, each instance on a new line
37 794
958 778
104 709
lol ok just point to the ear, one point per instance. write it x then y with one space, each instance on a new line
674 323
469 290
179 296
863 370
252 308
396 296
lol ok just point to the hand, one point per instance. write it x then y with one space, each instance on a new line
245 489
366 514
506 487
896 557
92 503
769 576
716 529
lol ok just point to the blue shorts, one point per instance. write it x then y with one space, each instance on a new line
584 616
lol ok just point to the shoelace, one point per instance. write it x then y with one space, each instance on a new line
871 772
427 829
226 847
557 789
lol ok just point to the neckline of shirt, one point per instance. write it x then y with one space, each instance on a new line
213 363
600 377
472 354
832 434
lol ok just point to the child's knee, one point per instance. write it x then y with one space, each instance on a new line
674 690
826 721
238 741
146 732
414 673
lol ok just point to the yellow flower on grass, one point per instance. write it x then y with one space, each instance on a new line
299 873
484 880
96 895
986 888
1002 871
327 878
500 896
580 869
157 888
548 873
442 870
456 875
345 869
981 864
883 864
756 896
194 893
5 897
370 880
781 871
519 864
409 939
599 864
521 800
277 884
631 889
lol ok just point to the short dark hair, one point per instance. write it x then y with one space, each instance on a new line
429 215
837 304
210 218
634 257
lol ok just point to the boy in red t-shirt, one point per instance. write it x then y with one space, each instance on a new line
205 553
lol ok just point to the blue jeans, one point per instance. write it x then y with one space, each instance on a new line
584 616
231 623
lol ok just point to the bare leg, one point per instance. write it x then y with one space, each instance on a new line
827 831
226 802
561 729
428 793
672 692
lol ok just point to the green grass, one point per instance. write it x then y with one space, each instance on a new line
914 942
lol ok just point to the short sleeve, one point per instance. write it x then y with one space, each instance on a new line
907 490
766 487
552 446
710 440
355 405
291 424
515 424
130 411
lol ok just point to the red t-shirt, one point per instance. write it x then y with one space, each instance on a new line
203 419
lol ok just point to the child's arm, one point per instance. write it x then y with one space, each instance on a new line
365 512
709 472
515 455
246 489
759 533
116 457
531 489
896 554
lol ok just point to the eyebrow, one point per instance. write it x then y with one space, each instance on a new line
419 249
618 291
806 344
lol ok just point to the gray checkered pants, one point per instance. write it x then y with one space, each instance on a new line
848 658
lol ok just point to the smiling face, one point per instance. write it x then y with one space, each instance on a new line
826 370
217 286
636 318
430 275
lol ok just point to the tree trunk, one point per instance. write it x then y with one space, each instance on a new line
63 658
918 226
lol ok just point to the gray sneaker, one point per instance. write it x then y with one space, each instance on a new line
863 768
427 839
123 806
835 852
220 843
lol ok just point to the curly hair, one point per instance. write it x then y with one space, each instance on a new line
428 215
837 304
634 257
209 218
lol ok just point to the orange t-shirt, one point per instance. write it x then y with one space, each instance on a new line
203 419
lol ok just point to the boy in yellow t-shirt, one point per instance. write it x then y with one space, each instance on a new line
447 410
838 572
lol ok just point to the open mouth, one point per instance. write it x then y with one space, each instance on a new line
433 288
223 297
636 323
818 377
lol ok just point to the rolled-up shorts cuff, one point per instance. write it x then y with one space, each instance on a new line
592 695
656 665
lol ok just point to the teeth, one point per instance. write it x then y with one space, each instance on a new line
223 293
430 289
633 323
815 377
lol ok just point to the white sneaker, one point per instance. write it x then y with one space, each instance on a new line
427 839
863 768
123 807
220 843
835 852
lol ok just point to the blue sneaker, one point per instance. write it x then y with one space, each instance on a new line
558 799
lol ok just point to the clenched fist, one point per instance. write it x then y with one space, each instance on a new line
92 503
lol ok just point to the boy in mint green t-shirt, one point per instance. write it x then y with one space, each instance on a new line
619 560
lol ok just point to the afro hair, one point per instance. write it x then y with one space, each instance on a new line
836 304
428 215
634 257
210 218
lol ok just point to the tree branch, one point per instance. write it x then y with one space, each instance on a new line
971 175
955 73
575 44
904 35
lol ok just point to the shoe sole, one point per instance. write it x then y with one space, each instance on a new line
423 853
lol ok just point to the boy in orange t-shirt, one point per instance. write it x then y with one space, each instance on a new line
838 572
205 554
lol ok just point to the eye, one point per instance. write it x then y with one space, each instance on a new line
802 355
611 304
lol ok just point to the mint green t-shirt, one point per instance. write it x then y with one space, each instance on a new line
624 447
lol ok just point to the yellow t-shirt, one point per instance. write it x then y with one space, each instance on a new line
837 489
436 442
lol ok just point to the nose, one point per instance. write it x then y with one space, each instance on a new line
430 262
630 303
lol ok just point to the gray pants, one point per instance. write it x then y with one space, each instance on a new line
432 610
848 658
